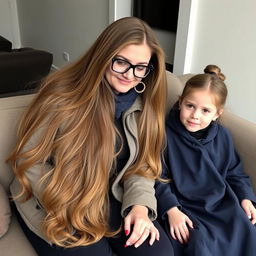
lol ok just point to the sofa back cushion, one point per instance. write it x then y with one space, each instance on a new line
174 90
11 110
5 212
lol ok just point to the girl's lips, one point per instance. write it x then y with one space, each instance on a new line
192 123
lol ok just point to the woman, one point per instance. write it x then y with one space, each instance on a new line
89 150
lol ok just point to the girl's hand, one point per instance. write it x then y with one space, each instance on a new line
142 227
249 210
178 222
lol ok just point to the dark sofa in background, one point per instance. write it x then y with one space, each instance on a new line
21 69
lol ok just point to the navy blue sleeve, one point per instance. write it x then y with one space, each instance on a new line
237 179
165 197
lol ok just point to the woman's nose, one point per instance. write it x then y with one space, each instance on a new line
128 74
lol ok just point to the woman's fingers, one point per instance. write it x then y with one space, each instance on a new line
127 225
139 235
148 231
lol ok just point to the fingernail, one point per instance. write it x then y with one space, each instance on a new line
126 232
136 245
127 244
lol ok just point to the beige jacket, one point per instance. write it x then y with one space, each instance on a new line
136 190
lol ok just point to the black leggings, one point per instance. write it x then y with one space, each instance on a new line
104 247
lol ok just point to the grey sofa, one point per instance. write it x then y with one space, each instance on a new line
14 243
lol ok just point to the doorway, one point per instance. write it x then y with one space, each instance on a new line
162 16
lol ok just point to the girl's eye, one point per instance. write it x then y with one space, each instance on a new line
189 105
206 110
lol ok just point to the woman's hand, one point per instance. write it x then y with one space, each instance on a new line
178 222
142 227
249 210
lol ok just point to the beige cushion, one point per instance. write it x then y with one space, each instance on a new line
11 110
5 212
14 242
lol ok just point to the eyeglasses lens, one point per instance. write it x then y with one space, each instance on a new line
122 66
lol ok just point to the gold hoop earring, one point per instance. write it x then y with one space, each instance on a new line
141 90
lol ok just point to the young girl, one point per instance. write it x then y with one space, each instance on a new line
207 207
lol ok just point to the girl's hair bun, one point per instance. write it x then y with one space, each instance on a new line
214 70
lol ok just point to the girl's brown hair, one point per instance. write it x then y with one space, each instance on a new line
75 111
212 80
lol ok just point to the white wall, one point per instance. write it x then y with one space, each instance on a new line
224 34
9 25
119 9
62 26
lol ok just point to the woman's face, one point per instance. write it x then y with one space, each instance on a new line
135 55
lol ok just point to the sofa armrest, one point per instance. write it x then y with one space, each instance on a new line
244 136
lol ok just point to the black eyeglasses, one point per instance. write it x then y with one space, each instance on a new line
122 66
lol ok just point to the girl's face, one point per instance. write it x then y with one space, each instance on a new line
135 55
198 110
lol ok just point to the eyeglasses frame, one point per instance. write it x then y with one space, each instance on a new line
150 67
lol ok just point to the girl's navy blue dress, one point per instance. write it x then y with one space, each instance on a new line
207 184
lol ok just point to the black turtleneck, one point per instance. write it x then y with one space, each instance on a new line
201 134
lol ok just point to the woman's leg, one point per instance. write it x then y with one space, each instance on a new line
42 248
163 247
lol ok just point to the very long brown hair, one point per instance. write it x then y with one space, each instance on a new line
75 111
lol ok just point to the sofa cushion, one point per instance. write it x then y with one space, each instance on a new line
5 212
14 242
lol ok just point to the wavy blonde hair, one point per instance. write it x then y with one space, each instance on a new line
77 106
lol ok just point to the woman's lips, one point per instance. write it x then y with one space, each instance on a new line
124 82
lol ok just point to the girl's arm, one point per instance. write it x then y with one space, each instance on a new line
165 196
236 177
239 181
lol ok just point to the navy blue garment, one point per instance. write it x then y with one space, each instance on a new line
207 184
123 101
